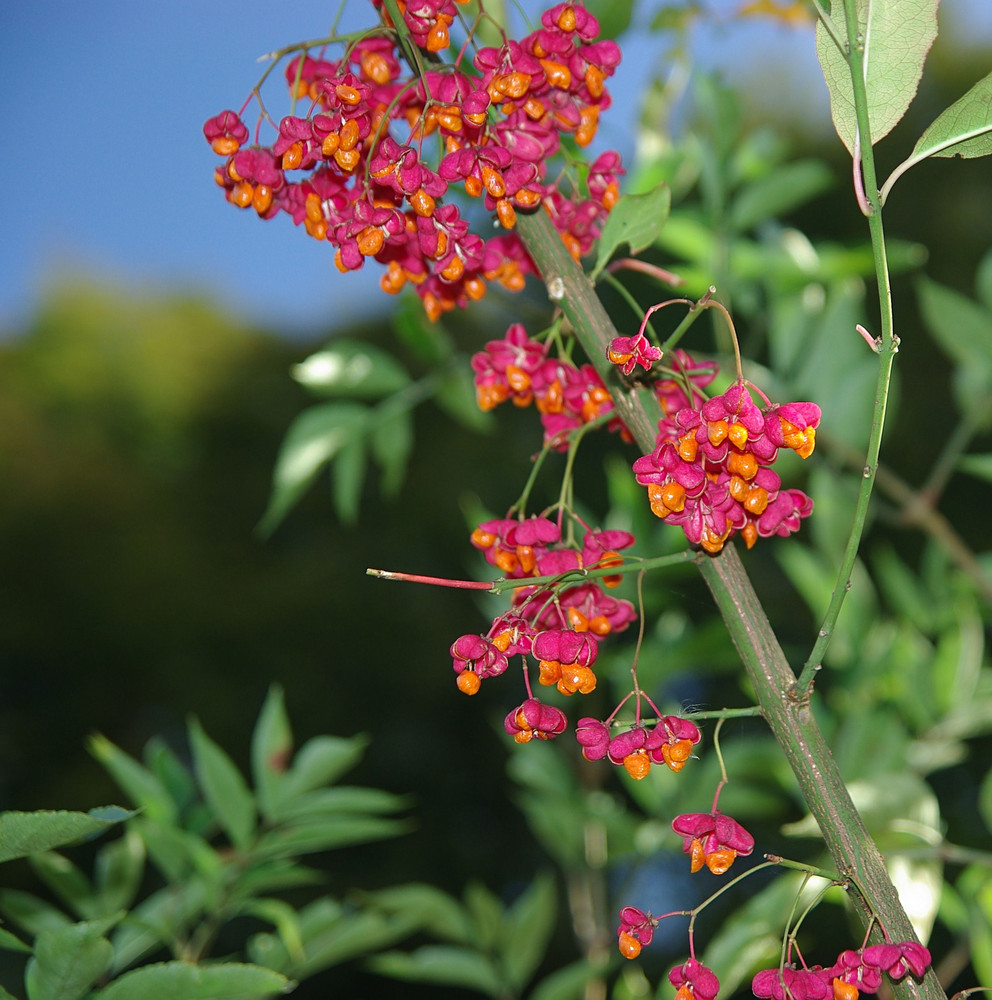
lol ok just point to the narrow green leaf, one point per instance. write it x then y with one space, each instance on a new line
143 787
568 983
331 935
173 773
31 913
118 871
67 962
322 760
344 799
963 331
223 787
527 929
778 192
455 395
348 478
897 37
392 442
985 800
327 834
10 942
983 280
313 439
429 341
351 368
487 914
431 909
67 882
23 833
271 748
184 981
284 918
445 965
979 466
637 220
4 995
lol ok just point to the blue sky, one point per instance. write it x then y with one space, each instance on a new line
107 173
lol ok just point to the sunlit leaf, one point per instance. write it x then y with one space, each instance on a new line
636 220
897 37
778 192
23 833
351 368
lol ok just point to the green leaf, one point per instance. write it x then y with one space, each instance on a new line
331 935
184 981
143 787
979 466
223 787
897 36
985 800
527 929
67 882
351 368
322 760
983 280
613 16
284 918
327 834
455 395
779 192
392 442
10 942
637 220
348 479
118 871
23 833
445 965
963 331
487 914
68 961
344 799
568 983
271 748
429 908
31 913
430 342
964 129
314 438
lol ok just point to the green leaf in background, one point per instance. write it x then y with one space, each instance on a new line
613 16
979 466
636 220
963 331
985 800
223 787
327 834
983 280
351 368
429 908
348 470
455 396
445 965
32 914
118 871
898 35
67 962
778 192
271 749
322 760
143 787
284 918
71 886
568 983
23 833
314 438
527 929
184 981
392 442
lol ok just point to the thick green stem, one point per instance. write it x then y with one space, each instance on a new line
791 720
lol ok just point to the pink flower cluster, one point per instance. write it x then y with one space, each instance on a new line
710 469
854 972
712 839
669 741
370 165
517 368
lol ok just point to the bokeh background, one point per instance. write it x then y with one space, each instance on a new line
146 334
